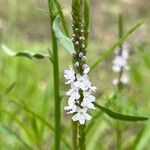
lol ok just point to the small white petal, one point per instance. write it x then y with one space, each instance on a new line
76 64
115 82
116 68
77 43
80 54
124 79
86 68
83 58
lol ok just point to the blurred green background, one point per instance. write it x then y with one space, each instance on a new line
24 25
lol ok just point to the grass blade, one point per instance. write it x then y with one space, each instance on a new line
119 116
10 88
17 121
61 38
41 119
62 18
138 138
13 134
26 54
117 43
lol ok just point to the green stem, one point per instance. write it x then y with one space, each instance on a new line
118 136
57 112
82 137
56 93
74 135
120 86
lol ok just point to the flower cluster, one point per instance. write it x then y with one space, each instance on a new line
120 65
80 93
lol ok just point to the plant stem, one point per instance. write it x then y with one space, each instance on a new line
120 86
118 136
74 135
57 112
82 137
56 93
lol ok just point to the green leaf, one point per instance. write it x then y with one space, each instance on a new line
117 43
22 125
41 119
119 116
15 135
138 138
10 88
86 14
61 38
64 25
26 54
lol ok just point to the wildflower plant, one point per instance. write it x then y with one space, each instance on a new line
120 66
120 62
80 98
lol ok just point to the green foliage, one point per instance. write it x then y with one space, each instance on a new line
119 116
30 125
26 54
61 38
117 43
13 134
86 13
62 17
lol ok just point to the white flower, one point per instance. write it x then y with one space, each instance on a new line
83 58
77 64
124 79
71 108
82 38
82 31
86 68
88 96
83 46
69 75
73 92
87 100
80 87
80 54
115 81
118 63
81 115
82 82
77 43
93 88
125 54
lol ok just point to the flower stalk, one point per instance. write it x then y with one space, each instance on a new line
120 66
57 112
80 93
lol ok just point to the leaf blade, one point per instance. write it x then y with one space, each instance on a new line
118 42
61 38
12 133
41 119
119 116
26 54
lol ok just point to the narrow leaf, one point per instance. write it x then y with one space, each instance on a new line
15 135
117 43
119 116
86 20
62 18
62 39
26 54
17 121
10 88
138 138
41 119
